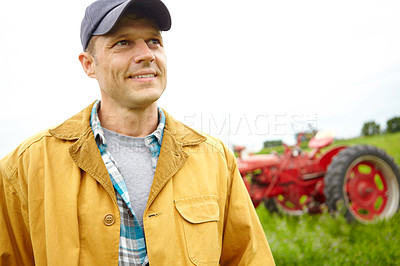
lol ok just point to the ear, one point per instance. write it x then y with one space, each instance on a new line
88 64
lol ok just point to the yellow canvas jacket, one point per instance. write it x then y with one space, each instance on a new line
58 205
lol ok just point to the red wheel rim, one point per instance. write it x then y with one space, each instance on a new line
367 191
291 204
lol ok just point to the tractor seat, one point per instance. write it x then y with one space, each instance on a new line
320 143
322 139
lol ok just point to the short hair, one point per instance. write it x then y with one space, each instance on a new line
90 47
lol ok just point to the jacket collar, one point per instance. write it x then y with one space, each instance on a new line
79 125
74 127
183 134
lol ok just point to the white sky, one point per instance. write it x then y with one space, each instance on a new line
246 71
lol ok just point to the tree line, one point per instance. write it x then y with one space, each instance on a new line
371 128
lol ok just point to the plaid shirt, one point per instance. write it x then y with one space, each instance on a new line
132 245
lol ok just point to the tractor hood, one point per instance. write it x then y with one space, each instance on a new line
258 161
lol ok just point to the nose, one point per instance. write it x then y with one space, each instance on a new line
142 52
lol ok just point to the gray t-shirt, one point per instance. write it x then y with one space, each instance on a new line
133 160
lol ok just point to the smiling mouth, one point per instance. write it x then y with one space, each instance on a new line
143 76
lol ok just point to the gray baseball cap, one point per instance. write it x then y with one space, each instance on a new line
102 15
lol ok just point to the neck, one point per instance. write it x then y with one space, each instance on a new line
130 122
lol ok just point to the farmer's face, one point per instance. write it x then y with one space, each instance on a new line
130 64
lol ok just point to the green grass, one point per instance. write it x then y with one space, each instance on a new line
389 142
326 240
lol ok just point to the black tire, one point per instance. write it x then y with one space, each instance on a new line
270 205
362 182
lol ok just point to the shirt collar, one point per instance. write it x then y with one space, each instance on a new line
99 133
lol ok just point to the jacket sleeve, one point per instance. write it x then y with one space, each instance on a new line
244 241
15 245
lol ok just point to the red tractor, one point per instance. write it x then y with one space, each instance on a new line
361 181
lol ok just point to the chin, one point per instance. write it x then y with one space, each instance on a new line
145 102
151 95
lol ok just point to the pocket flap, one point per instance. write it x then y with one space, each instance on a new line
199 209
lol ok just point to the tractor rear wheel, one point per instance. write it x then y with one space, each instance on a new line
363 182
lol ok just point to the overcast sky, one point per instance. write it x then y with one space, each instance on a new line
246 71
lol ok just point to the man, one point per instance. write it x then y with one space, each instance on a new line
122 182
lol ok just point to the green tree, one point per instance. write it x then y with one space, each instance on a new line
393 125
370 128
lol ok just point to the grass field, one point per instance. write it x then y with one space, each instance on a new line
326 240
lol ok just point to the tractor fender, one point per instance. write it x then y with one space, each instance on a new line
326 158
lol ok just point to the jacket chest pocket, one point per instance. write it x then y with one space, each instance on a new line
200 216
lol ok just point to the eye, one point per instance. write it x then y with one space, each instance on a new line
122 43
154 42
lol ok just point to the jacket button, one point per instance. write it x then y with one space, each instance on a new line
109 219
